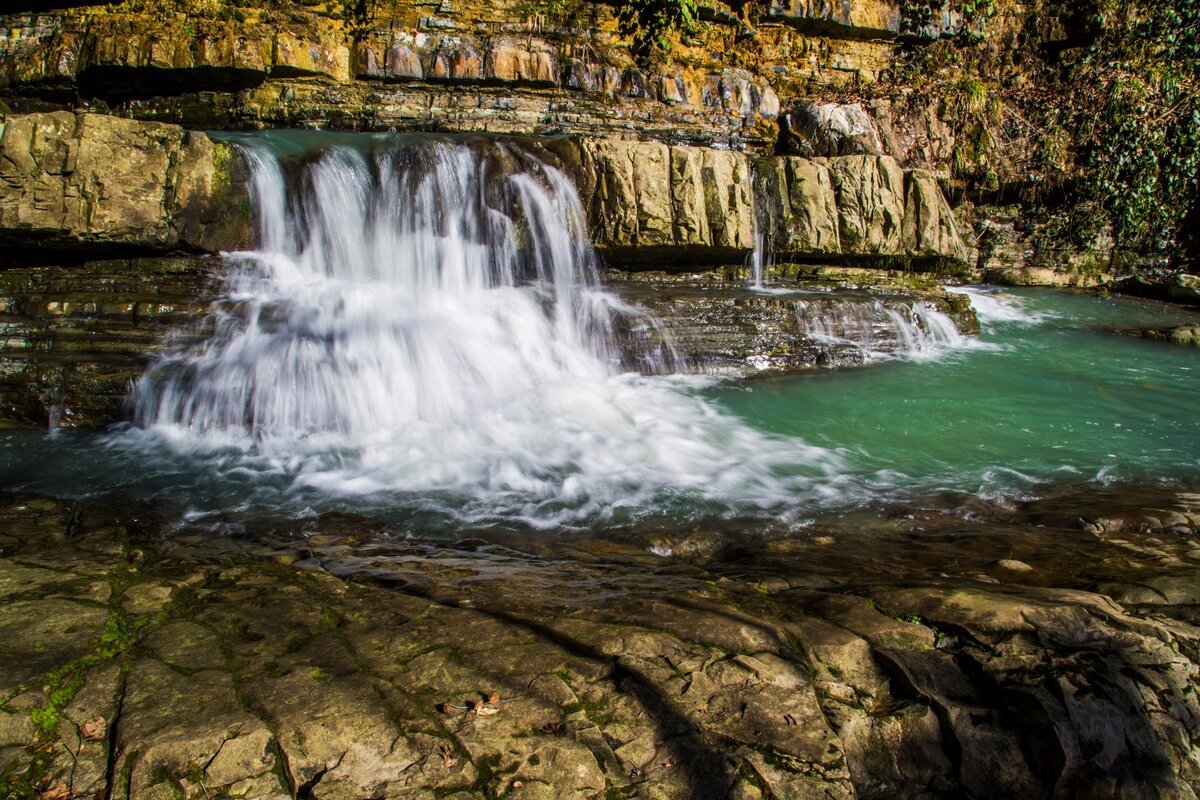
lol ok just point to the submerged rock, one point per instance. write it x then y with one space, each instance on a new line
1183 334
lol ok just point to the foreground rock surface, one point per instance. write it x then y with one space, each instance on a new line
1055 657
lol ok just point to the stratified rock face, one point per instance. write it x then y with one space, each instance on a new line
929 225
93 183
651 203
674 207
799 206
868 17
117 56
870 192
75 337
463 66
88 182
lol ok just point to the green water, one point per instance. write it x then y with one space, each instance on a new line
1048 395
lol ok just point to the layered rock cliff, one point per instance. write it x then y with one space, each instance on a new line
81 186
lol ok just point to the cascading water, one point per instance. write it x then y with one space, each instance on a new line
879 328
422 321
391 288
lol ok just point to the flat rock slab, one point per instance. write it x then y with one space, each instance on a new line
327 660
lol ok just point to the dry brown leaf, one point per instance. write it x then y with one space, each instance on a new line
56 791
493 698
94 729
445 708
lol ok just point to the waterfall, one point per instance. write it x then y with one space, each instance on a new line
421 327
427 282
879 328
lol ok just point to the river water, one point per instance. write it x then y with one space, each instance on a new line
420 335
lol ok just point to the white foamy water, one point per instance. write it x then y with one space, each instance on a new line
997 307
422 322
881 329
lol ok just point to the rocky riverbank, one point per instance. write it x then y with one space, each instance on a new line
1056 655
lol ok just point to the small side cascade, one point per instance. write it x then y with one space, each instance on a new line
879 328
762 258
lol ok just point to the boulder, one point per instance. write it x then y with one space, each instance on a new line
871 203
830 129
94 183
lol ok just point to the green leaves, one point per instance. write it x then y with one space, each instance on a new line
1141 121
652 24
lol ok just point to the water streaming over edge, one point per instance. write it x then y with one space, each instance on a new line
423 322
420 336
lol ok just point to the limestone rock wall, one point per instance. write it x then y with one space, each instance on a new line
90 182
679 206
461 65
96 184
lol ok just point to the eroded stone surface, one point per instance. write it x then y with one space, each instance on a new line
472 671
92 181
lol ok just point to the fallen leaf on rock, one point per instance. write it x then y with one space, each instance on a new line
446 759
668 764
445 708
493 698
93 729
485 711
56 791
553 728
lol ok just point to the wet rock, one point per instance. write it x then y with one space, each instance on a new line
1188 335
722 328
77 335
